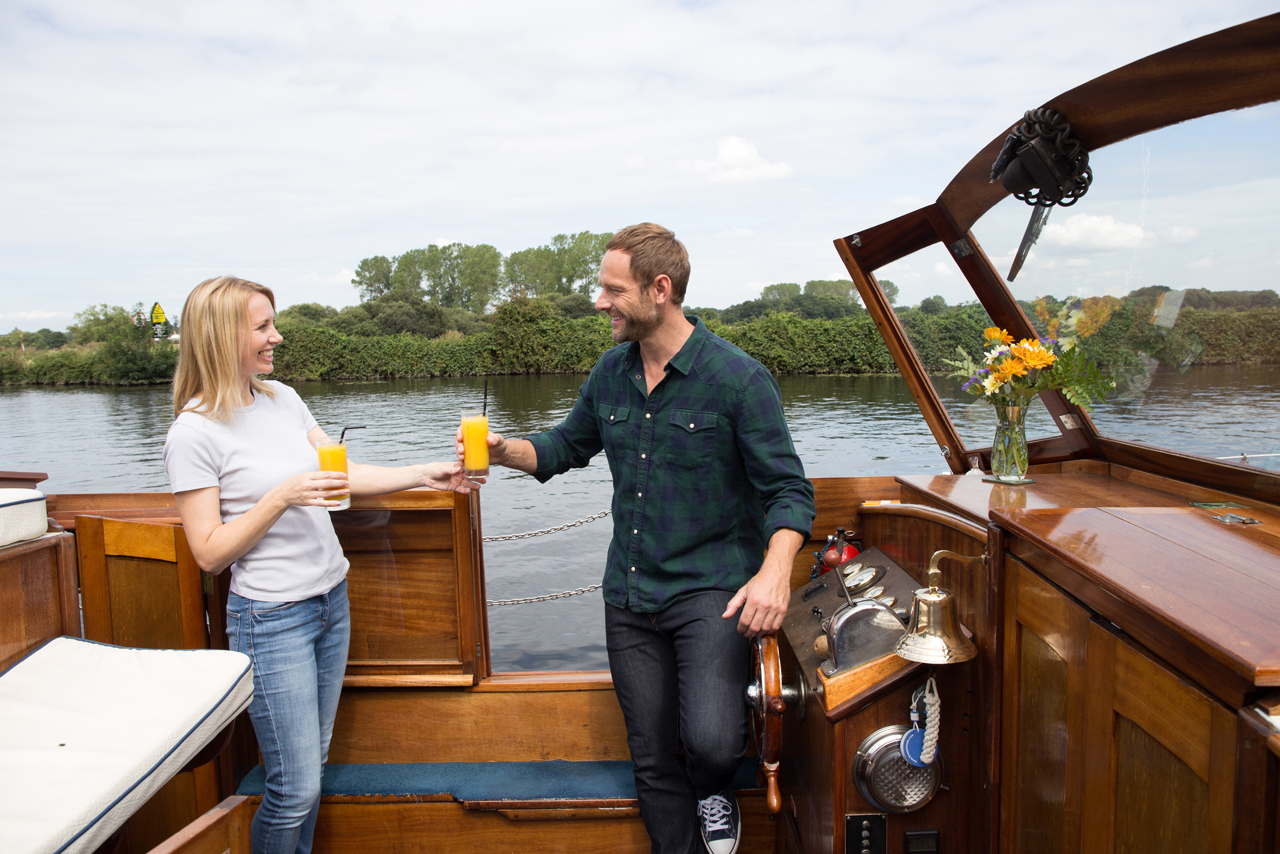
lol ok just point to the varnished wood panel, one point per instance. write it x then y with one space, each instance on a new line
144 597
1162 575
455 725
1169 816
1257 785
430 828
222 830
32 590
810 765
124 538
1039 783
976 499
403 606
1043 718
1142 771
950 811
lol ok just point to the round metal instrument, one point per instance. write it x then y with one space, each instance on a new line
888 601
889 782
875 592
857 576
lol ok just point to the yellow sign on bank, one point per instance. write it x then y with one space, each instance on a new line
157 314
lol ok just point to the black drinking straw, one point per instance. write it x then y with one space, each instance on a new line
484 407
343 434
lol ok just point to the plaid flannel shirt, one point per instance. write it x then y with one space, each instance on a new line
704 471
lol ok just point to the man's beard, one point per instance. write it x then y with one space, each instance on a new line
638 325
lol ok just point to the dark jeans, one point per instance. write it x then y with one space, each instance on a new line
681 677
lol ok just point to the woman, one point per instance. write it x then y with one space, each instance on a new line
241 457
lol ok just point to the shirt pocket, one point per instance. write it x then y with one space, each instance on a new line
691 439
613 429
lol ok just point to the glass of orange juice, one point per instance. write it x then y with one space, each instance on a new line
475 444
333 457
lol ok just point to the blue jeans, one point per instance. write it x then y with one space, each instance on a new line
299 654
681 676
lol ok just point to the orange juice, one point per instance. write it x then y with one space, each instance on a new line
333 457
475 445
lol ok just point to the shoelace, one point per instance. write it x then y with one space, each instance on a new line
715 812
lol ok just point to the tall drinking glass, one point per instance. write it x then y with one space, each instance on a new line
333 457
475 444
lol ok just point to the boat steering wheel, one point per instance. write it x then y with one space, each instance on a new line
767 699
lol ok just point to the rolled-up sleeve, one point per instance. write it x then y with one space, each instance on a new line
572 443
772 465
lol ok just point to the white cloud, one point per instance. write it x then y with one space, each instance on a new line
149 146
943 270
1077 262
1089 233
738 162
1183 234
1201 264
736 233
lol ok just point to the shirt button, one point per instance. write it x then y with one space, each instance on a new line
635 530
610 417
639 495
647 415
644 456
637 376
690 426
633 569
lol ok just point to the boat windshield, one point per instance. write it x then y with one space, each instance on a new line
1165 273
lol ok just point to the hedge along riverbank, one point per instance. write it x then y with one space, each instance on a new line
531 337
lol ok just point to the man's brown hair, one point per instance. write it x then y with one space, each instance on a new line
654 252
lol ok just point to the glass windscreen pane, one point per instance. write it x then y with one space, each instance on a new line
940 313
1165 273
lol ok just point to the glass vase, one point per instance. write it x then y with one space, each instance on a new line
1009 450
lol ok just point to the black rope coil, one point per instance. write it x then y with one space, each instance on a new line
1041 163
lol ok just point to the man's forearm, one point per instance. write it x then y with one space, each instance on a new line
516 454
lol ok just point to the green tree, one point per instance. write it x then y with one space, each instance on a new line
569 264
780 292
890 290
461 276
933 305
107 323
841 288
410 271
373 277
306 314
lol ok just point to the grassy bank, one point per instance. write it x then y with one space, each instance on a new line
532 337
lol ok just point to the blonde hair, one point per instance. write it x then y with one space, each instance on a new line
215 326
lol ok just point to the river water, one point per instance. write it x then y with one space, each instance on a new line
110 440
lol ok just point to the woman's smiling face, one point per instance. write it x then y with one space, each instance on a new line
259 346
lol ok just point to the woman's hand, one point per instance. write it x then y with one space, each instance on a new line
313 489
449 476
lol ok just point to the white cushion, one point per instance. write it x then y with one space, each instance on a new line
89 731
22 515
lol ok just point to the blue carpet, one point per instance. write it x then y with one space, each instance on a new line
487 781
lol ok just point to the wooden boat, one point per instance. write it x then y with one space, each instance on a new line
1124 696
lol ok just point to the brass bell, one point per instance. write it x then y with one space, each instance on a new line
933 635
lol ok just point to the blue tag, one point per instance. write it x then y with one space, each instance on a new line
912 746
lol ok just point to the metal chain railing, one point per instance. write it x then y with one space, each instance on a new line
493 603
563 527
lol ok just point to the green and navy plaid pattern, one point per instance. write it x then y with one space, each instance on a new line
704 471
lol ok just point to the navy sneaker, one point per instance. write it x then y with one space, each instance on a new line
721 823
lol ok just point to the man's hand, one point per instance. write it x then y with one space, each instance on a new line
517 453
764 598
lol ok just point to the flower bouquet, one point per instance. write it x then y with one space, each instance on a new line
1011 374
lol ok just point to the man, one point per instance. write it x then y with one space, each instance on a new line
704 475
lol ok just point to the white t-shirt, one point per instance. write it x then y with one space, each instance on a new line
262 444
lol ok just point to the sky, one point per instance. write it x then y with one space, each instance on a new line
146 146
